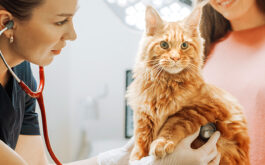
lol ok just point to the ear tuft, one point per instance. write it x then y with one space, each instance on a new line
153 21
195 17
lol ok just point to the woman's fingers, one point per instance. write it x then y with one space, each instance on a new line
216 160
212 155
188 140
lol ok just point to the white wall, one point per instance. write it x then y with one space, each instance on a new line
105 48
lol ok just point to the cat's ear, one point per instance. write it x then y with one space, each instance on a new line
153 21
194 18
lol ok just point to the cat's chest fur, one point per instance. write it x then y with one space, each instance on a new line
165 97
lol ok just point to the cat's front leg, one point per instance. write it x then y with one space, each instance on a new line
176 128
144 132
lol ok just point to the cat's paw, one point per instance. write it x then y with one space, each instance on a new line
161 147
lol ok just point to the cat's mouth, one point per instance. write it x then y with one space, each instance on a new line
173 70
171 67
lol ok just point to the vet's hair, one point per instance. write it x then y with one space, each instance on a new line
21 9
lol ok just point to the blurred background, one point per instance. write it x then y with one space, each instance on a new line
86 83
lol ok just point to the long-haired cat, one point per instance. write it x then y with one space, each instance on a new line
170 98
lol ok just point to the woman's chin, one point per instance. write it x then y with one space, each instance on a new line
47 62
43 62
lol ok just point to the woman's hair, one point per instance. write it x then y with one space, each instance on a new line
214 26
20 9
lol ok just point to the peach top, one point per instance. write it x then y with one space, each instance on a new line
237 64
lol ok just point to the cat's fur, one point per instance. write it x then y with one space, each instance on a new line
170 98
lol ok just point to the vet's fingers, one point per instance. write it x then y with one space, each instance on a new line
189 139
211 143
216 160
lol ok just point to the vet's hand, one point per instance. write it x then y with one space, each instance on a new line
185 155
119 156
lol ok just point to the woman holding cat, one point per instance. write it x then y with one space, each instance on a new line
234 31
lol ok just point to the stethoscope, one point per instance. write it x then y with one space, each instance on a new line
207 131
38 95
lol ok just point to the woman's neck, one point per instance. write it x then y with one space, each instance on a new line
253 18
4 77
11 61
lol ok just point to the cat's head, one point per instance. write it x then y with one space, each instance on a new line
172 46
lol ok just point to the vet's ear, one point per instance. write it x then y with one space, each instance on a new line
5 16
154 23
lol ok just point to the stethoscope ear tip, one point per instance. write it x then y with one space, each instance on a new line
10 24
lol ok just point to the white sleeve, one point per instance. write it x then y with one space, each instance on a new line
149 160
113 157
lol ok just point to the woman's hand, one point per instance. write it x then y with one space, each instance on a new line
185 155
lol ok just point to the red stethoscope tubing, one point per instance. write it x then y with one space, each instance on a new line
39 96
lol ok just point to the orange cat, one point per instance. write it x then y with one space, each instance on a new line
170 98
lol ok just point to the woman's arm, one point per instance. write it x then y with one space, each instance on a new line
9 156
31 149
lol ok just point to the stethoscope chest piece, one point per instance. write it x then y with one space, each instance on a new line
206 131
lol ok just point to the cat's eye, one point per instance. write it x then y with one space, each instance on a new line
164 45
184 45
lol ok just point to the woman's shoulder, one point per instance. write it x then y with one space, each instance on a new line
253 36
239 45
22 66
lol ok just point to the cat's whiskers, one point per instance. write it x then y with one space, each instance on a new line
155 66
194 66
161 69
191 64
195 70
151 62
155 69
191 70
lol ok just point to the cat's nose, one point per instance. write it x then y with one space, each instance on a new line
174 58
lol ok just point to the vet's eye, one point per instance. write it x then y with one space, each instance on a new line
164 45
184 45
60 23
